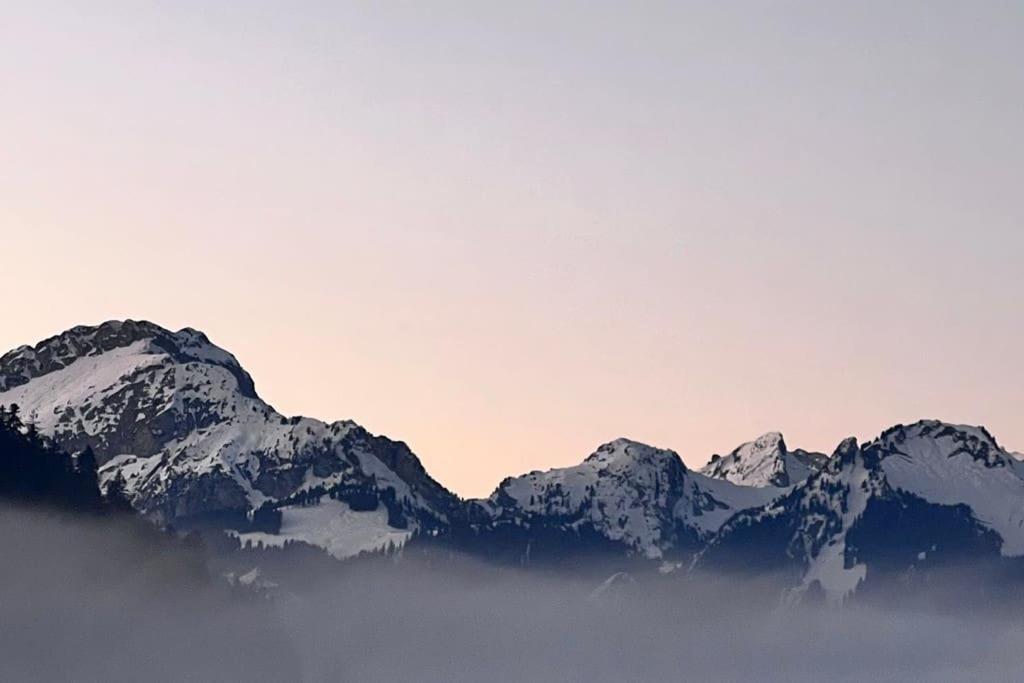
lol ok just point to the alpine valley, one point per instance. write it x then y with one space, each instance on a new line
175 422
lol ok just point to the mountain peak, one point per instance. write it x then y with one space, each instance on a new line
765 461
627 452
938 429
927 440
20 366
179 420
625 490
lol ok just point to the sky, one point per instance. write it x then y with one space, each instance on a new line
506 233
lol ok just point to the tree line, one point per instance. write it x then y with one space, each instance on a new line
34 470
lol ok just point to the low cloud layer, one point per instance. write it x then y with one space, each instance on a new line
100 601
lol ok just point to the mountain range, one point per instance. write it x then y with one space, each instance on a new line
177 422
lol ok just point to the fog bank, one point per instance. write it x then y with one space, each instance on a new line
97 600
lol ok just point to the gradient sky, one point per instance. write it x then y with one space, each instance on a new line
508 232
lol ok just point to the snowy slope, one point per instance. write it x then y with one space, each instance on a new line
765 461
180 421
709 502
332 525
834 501
959 464
641 496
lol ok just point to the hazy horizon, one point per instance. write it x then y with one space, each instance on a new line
506 235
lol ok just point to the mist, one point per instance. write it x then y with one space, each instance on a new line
99 599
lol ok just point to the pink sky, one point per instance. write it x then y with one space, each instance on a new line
507 236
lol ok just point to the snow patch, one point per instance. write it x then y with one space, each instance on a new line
333 526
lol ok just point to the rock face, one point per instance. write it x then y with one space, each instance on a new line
765 462
180 420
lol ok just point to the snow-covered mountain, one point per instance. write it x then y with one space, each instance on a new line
765 461
919 496
627 492
180 421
